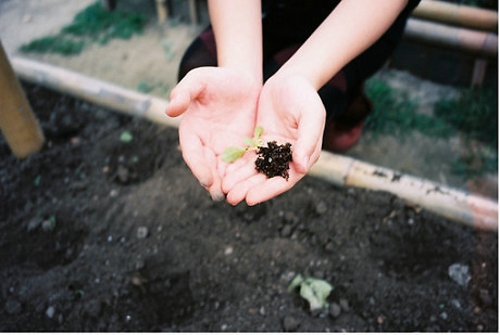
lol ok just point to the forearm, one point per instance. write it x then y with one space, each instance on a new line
351 28
237 26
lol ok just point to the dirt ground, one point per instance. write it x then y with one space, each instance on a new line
103 235
99 234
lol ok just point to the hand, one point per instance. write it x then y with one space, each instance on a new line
290 110
219 107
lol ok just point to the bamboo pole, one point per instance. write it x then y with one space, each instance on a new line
96 91
473 210
459 15
17 121
477 42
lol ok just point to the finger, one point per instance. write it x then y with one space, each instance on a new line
245 170
270 188
186 91
240 190
310 136
194 155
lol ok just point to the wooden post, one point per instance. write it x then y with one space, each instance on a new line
162 11
17 121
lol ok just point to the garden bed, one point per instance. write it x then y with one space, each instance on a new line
107 230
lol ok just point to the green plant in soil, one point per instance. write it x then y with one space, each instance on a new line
272 160
93 24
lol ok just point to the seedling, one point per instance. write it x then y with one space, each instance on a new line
272 160
314 290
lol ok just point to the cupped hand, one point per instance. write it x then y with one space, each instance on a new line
219 109
289 110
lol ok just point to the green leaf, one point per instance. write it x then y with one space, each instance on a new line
257 133
315 291
230 154
126 137
250 142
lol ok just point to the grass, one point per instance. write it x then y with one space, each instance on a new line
92 25
474 116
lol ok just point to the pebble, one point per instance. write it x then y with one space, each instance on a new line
34 223
290 324
335 310
321 208
12 307
228 251
344 304
142 232
287 230
456 303
50 312
291 218
459 273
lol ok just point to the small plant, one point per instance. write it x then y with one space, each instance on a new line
272 160
314 290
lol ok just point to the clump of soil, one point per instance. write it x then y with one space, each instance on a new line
274 159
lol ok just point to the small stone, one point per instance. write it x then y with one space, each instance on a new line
291 218
459 273
455 303
142 232
290 324
287 230
228 251
330 246
443 315
321 208
344 304
34 223
262 311
12 307
50 312
335 310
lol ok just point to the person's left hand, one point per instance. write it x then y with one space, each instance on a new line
289 110
219 107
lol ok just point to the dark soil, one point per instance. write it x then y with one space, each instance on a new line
100 234
273 160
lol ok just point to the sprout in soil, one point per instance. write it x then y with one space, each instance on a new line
272 160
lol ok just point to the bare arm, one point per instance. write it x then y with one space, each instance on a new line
352 27
237 27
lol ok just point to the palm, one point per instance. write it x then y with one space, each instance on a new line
219 108
290 110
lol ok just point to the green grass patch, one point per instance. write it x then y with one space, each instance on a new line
474 115
395 114
92 25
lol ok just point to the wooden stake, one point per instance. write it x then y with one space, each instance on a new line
17 121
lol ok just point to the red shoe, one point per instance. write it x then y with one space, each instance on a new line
339 140
342 133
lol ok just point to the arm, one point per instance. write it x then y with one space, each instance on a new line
237 27
290 110
220 103
352 27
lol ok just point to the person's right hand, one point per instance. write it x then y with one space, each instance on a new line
219 107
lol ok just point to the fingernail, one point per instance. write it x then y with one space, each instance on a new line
217 196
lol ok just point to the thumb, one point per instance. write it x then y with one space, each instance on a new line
188 90
310 136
